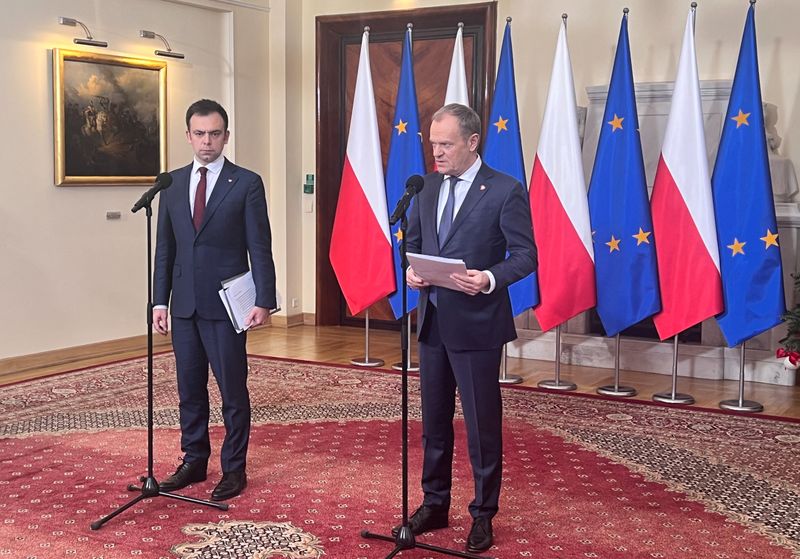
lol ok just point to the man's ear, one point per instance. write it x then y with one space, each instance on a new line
473 142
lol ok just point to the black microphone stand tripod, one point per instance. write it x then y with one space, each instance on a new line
405 539
149 486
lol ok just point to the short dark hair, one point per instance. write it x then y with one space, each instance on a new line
205 107
468 120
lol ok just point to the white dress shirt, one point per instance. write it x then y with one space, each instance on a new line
214 169
465 181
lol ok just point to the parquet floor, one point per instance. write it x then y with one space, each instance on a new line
338 344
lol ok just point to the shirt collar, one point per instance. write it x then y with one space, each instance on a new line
469 175
214 167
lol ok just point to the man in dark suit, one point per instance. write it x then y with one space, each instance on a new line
466 210
209 222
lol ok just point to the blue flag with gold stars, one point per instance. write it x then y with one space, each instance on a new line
619 210
747 232
502 150
405 159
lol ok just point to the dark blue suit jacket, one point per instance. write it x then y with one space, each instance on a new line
494 220
191 266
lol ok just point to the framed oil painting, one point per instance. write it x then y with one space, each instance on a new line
109 118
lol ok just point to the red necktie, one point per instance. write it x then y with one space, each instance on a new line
200 200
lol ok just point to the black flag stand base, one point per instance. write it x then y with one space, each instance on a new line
405 540
149 486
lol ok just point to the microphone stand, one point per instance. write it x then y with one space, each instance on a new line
149 486
405 537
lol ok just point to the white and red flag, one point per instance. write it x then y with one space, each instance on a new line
683 208
457 80
361 251
559 204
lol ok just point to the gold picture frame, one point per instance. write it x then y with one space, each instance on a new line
110 115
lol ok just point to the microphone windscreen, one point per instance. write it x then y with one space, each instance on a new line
164 180
415 182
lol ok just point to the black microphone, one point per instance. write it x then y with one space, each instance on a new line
413 186
162 181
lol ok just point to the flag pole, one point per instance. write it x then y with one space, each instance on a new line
616 389
365 361
674 397
556 384
741 404
505 378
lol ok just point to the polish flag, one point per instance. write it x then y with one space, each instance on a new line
683 208
559 204
361 250
457 80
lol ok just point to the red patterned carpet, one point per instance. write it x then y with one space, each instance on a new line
584 477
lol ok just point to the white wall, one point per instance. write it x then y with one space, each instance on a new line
655 29
70 277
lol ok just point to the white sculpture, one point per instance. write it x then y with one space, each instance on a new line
784 179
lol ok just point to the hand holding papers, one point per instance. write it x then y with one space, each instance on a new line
238 294
436 270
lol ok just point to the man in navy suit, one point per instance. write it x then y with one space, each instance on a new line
469 211
209 222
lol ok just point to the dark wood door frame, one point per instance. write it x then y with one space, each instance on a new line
333 35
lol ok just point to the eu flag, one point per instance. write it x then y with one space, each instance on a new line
502 150
750 258
622 228
405 159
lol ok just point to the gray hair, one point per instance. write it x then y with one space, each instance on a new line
468 120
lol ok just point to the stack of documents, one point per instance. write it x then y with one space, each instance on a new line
238 294
436 270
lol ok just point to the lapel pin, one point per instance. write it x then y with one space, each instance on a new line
483 187
230 180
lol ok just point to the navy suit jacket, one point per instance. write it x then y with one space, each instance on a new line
491 231
191 266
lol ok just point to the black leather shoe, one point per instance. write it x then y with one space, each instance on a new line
229 486
187 473
425 519
480 536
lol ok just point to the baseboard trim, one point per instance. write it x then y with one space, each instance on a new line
13 369
289 321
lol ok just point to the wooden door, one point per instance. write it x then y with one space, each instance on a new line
338 48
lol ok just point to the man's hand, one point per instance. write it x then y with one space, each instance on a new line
160 321
257 317
413 280
471 283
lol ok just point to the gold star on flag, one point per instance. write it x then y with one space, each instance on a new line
399 235
616 124
741 118
642 237
771 239
401 127
737 247
501 124
613 244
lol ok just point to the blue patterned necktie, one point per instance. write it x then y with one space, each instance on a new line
444 226
447 214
